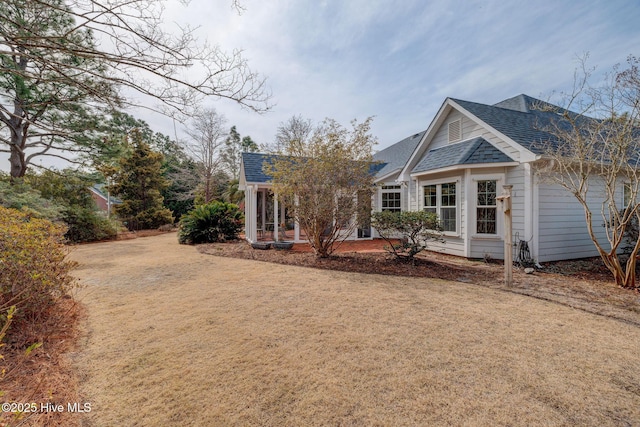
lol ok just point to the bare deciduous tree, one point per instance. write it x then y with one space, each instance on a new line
594 153
61 60
208 134
324 175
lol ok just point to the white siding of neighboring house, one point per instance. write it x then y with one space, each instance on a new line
562 228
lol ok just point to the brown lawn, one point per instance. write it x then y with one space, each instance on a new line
176 337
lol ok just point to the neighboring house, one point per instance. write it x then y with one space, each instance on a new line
456 169
104 201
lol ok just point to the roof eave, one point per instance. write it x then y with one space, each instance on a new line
435 123
463 167
385 176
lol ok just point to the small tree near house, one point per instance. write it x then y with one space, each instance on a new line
413 230
594 153
323 175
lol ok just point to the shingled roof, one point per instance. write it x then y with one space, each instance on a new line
474 151
252 164
396 156
521 118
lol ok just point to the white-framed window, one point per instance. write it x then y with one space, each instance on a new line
391 198
486 207
442 199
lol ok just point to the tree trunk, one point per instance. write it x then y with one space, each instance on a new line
17 162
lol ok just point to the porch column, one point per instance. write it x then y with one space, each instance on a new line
251 201
296 226
276 220
263 211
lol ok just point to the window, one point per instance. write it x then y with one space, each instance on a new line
430 199
448 207
486 211
391 198
441 199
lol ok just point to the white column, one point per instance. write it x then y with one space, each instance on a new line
296 226
468 204
276 219
251 199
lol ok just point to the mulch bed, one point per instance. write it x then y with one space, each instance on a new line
582 284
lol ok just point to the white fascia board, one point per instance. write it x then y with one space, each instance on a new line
384 177
256 184
426 139
97 193
525 155
463 167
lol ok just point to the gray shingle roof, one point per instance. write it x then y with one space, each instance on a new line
519 118
252 164
474 151
396 156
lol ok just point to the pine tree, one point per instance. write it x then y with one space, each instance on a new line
138 183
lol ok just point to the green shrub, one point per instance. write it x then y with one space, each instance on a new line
21 196
33 269
213 222
86 225
413 229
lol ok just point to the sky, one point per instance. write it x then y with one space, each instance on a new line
399 60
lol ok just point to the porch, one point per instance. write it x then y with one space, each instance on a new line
268 219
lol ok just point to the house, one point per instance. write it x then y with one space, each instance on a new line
104 201
456 169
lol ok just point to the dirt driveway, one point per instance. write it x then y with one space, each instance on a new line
178 338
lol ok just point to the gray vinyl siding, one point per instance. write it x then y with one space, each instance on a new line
515 177
483 248
563 233
413 202
451 246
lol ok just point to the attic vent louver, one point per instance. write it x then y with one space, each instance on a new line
455 131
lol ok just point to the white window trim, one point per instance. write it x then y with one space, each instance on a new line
394 190
438 183
473 203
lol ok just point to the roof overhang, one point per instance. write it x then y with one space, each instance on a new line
463 167
426 139
243 187
387 176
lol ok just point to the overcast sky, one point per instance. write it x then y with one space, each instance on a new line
399 60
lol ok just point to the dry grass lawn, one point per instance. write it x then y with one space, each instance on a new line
178 338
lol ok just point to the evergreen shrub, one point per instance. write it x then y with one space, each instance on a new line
213 222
